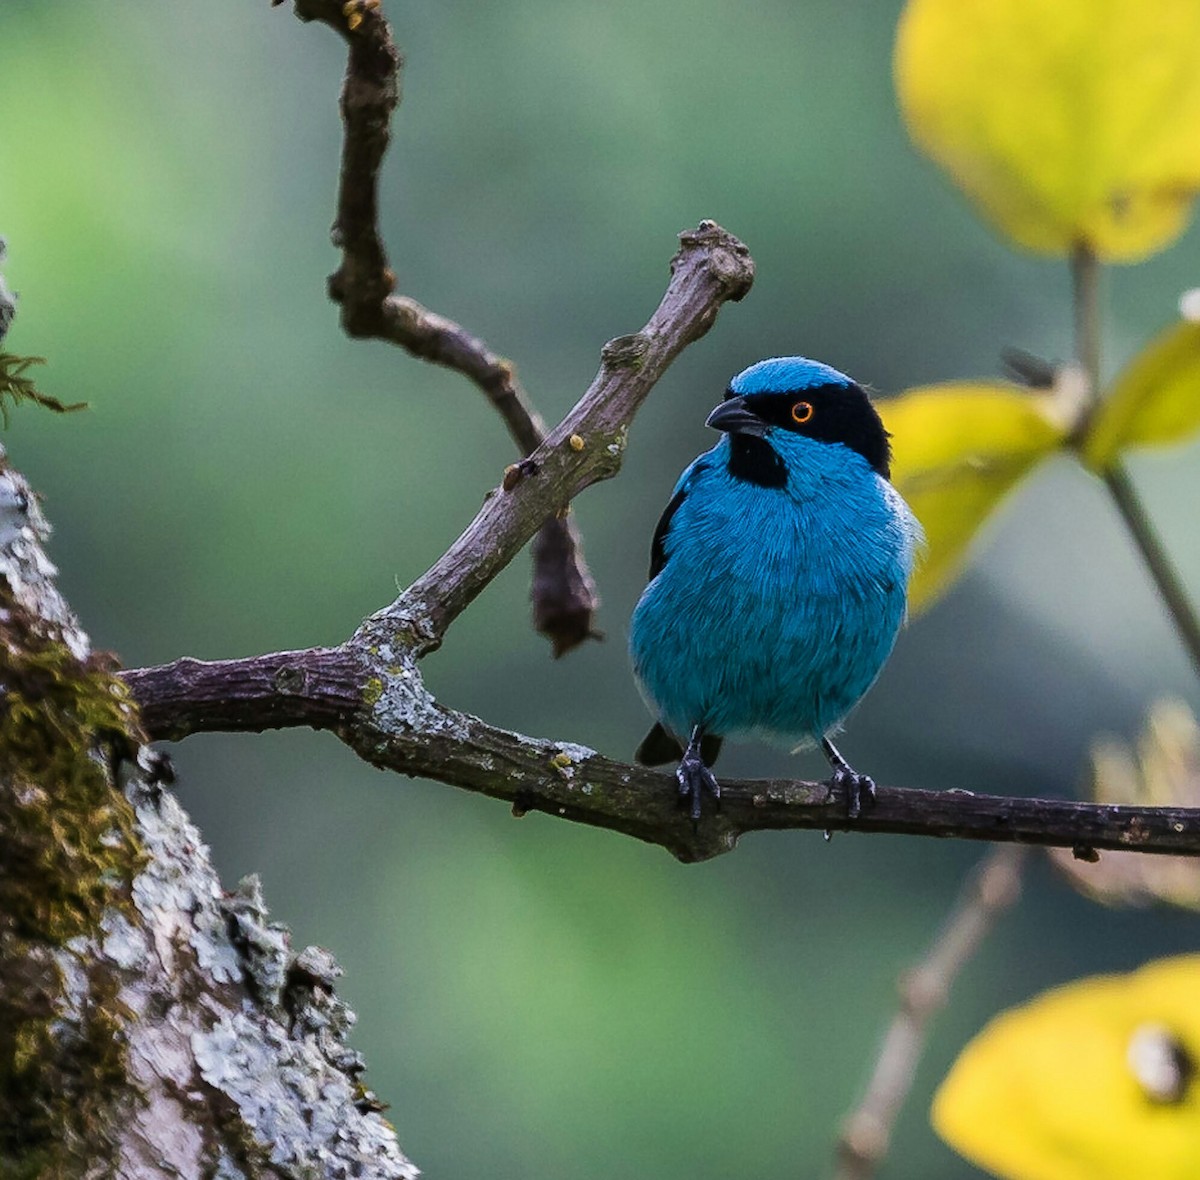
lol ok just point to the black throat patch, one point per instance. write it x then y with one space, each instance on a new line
840 414
754 460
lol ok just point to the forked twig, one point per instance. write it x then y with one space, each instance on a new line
992 888
563 591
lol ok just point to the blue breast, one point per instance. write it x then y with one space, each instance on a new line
776 607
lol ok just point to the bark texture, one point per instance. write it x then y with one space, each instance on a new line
563 592
151 1024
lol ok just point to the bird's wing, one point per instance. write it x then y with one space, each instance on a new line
658 550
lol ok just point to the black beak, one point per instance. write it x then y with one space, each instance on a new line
733 416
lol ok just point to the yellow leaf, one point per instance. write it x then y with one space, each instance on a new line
1155 401
1092 1081
958 448
1065 121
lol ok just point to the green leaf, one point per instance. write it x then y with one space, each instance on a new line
1154 402
959 449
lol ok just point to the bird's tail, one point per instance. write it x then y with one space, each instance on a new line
659 747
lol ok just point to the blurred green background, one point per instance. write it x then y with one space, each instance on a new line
537 999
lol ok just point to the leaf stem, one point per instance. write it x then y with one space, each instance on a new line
1085 287
1146 537
1085 280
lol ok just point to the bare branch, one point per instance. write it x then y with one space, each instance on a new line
320 688
712 266
399 726
370 692
562 587
992 888
564 593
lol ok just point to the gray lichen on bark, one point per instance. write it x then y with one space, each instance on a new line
8 301
150 1024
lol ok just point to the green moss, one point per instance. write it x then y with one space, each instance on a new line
27 1045
68 854
57 1096
67 849
626 352
372 691
15 387
32 1165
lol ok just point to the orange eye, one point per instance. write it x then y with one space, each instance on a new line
802 412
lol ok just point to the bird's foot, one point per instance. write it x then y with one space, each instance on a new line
859 788
694 780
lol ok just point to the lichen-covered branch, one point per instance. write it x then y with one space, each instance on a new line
399 726
563 591
369 690
8 301
150 1024
321 688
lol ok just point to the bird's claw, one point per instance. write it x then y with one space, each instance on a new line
859 788
694 780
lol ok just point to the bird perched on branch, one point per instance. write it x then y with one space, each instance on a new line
778 576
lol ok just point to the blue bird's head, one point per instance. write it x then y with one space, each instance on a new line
803 397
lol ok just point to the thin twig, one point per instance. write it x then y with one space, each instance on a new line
563 591
992 888
1086 291
710 268
1150 546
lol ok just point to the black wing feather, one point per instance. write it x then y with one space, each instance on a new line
658 552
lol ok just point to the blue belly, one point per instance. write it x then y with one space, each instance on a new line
776 608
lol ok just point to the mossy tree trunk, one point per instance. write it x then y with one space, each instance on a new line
150 1023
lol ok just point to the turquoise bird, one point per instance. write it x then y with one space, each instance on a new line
778 577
